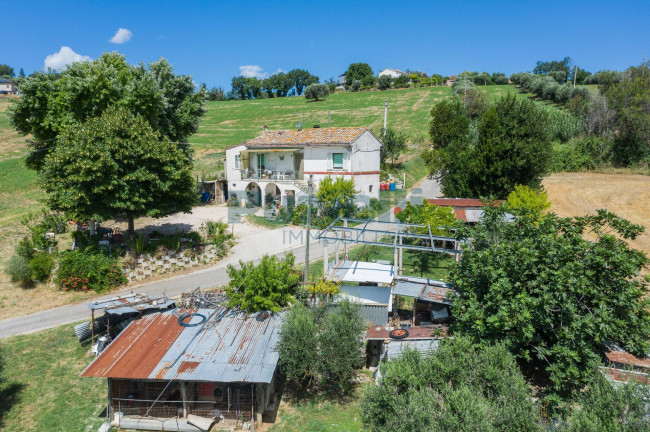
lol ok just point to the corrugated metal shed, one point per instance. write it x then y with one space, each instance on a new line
228 347
359 271
424 289
366 294
396 348
133 303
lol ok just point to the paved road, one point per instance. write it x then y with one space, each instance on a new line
276 242
252 247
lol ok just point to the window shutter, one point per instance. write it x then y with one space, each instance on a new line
330 162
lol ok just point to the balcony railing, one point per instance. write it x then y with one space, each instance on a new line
270 175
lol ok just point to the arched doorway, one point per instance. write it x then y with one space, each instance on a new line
272 196
254 194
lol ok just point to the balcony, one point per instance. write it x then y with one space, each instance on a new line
270 175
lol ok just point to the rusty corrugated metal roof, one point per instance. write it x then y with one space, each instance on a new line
229 347
627 359
458 202
301 137
424 289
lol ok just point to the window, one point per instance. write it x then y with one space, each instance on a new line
337 160
370 188
237 161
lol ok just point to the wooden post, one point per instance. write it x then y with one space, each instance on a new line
253 407
184 398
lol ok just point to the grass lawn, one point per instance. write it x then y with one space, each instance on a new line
41 389
268 223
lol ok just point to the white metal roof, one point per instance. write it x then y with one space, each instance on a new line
360 271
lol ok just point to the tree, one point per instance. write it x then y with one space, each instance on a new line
355 86
383 82
512 147
268 286
239 87
322 345
298 344
607 407
358 71
6 71
301 79
449 123
458 387
21 74
525 198
317 91
440 219
368 81
550 295
546 67
215 94
50 102
336 196
393 145
117 164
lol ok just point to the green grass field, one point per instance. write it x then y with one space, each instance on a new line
40 389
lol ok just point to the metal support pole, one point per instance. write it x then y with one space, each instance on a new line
108 407
401 256
385 114
325 258
184 398
92 327
252 408
310 185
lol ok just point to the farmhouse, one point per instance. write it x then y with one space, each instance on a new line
186 369
275 166
8 87
393 73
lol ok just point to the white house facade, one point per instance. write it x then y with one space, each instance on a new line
393 73
277 164
8 87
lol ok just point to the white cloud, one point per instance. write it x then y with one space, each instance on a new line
63 58
122 35
252 71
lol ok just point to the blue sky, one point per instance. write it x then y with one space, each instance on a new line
211 40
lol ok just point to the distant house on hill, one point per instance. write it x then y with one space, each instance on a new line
450 81
393 73
274 168
8 87
342 82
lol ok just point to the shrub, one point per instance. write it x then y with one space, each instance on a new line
375 204
322 345
300 214
355 86
25 248
88 270
268 286
19 271
472 388
41 265
384 82
563 125
317 91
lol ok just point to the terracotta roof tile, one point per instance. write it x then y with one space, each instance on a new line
335 135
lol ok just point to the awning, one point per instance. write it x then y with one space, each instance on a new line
359 271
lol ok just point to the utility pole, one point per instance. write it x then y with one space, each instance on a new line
329 118
310 185
385 114
575 75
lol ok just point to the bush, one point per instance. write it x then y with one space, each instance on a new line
472 388
355 86
217 232
368 81
322 345
563 125
41 266
88 270
384 82
300 214
317 91
19 270
375 204
268 286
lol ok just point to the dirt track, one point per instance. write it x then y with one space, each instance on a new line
627 195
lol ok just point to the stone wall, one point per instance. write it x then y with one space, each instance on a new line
148 266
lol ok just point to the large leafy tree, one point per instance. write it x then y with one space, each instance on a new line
117 164
511 147
300 78
6 71
50 102
336 196
357 71
268 286
554 290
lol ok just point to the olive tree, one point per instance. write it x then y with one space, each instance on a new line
317 91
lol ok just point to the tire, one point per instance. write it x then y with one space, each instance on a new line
399 334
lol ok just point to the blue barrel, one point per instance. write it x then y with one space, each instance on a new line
392 186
